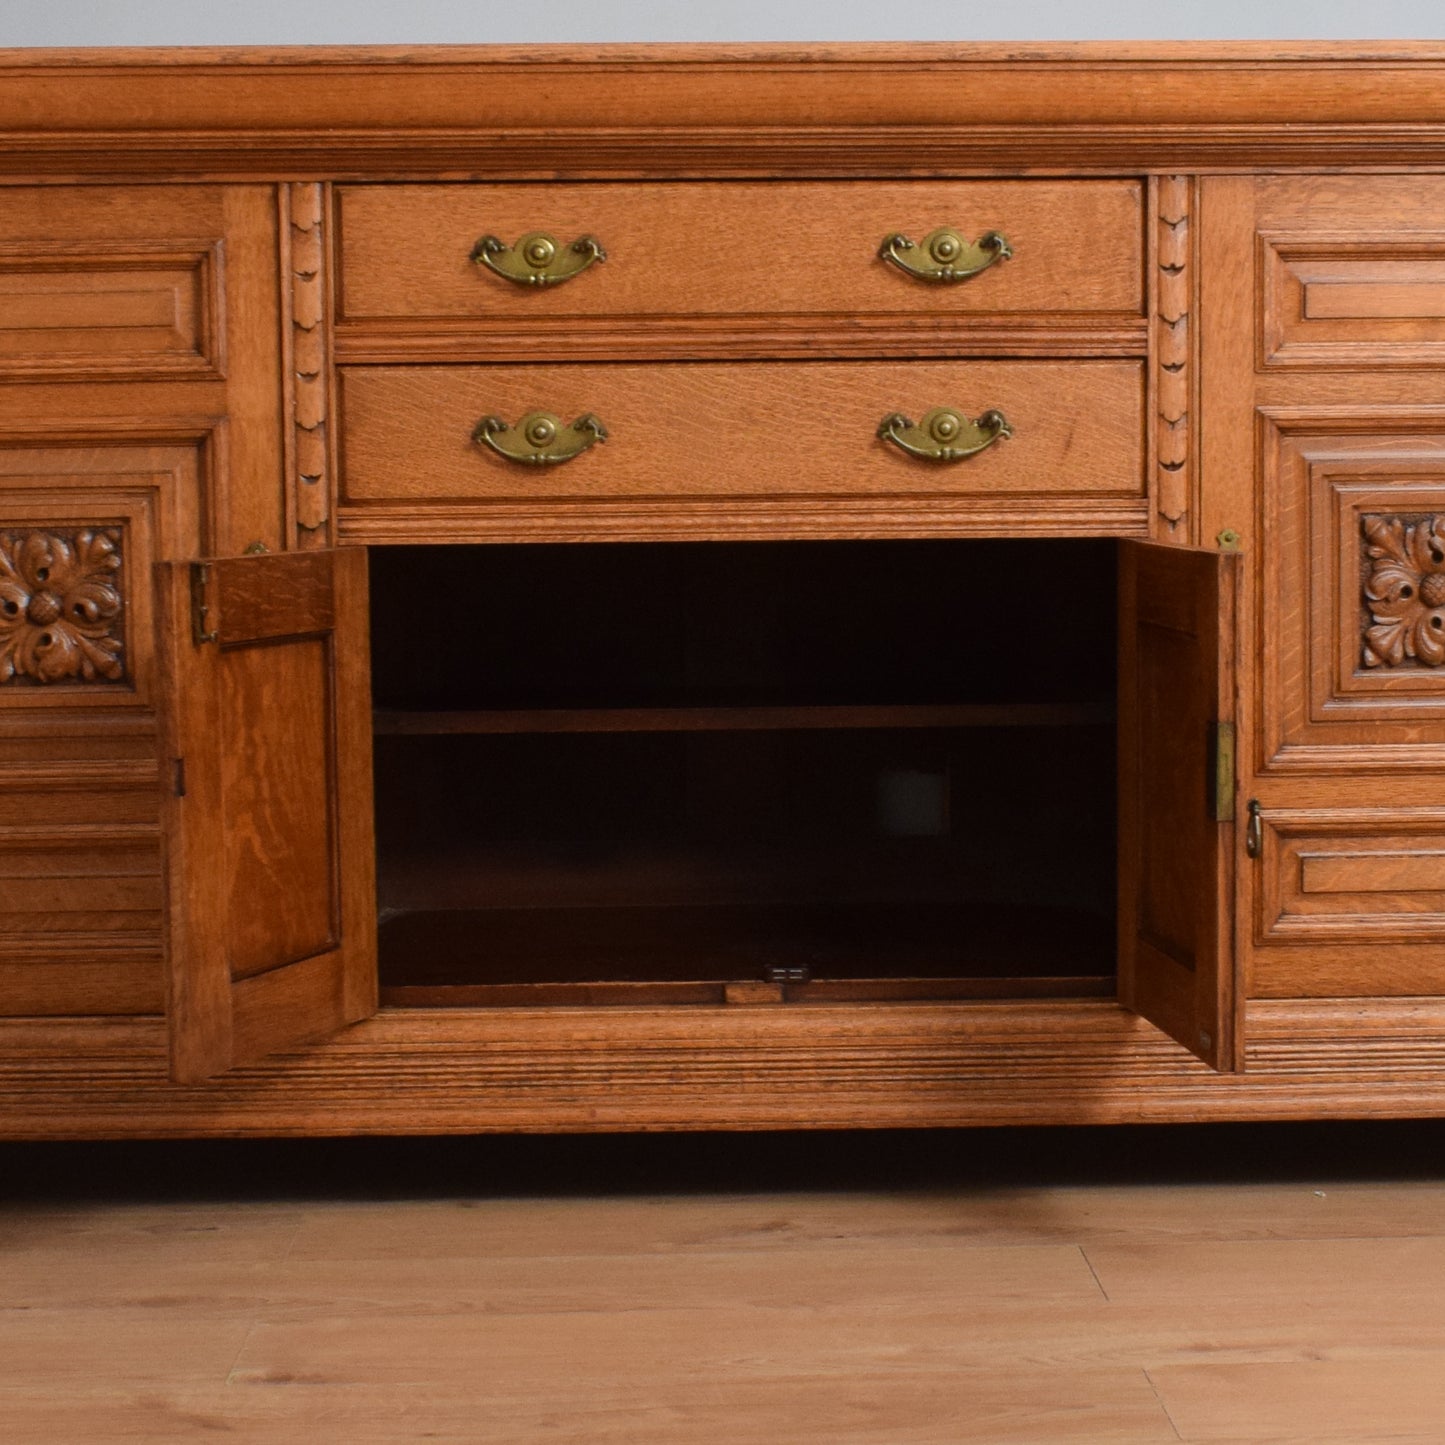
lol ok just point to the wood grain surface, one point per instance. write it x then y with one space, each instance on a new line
266 750
139 395
832 1066
669 111
1177 667
740 431
1329 403
1221 325
961 1295
722 249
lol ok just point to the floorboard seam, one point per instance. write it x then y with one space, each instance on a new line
1095 1273
1163 1406
230 1378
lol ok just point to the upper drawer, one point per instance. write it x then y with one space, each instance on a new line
700 253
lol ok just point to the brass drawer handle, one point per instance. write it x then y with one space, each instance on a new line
539 439
943 255
537 259
944 435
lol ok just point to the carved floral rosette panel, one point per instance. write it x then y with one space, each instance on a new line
62 607
1404 590
1351 639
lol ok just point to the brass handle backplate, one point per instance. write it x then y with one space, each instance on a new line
537 259
539 439
944 435
943 255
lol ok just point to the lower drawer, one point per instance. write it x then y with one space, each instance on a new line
737 431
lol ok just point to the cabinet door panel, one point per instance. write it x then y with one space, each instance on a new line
266 744
1325 450
1176 691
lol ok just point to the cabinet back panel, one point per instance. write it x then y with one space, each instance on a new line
633 762
953 825
635 625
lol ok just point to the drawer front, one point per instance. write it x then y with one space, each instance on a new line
739 248
734 430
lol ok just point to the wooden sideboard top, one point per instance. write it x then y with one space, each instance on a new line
432 111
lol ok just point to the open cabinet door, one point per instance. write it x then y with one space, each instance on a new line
1177 609
266 746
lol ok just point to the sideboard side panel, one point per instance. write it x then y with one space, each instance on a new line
139 403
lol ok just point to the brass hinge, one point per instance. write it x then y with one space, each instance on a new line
200 612
1222 752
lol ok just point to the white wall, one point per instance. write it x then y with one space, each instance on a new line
280 22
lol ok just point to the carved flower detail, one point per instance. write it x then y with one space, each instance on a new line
60 606
1405 591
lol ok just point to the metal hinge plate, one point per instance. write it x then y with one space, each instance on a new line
201 630
1222 751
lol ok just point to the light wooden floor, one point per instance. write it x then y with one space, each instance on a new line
1080 1287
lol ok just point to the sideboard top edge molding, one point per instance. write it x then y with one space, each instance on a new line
705 109
1214 53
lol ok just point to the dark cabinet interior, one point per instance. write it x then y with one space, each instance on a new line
690 772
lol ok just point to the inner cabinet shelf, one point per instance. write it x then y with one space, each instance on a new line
396 723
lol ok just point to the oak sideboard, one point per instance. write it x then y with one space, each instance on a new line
698 587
